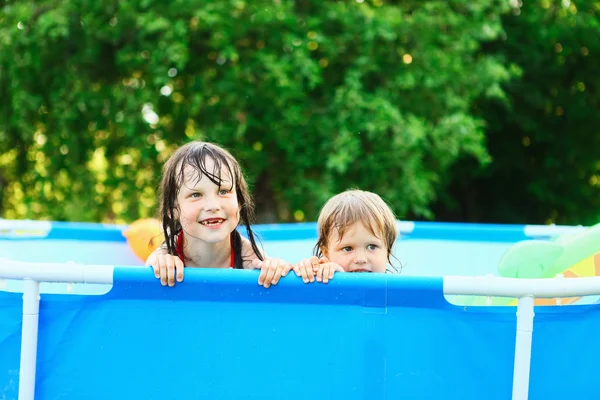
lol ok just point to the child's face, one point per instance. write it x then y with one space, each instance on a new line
208 212
357 251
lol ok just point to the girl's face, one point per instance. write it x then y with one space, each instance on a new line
208 212
357 251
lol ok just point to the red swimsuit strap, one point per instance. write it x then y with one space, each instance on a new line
179 246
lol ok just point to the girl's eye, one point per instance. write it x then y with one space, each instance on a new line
223 192
195 195
347 248
372 247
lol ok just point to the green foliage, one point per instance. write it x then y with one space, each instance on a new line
313 97
544 139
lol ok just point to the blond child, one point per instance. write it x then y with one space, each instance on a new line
357 231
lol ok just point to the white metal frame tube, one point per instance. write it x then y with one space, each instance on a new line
29 339
56 272
519 287
523 341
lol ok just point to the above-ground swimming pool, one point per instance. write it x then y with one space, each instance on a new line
220 335
423 249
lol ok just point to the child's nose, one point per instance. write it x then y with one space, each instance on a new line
361 258
211 204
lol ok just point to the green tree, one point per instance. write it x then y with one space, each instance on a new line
544 139
312 96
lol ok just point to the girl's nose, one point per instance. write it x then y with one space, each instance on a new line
211 204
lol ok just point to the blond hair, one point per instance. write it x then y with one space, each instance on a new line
345 209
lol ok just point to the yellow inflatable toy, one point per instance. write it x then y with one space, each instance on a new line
144 236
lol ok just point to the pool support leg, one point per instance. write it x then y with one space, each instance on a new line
522 366
29 339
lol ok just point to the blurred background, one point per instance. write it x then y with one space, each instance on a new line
458 110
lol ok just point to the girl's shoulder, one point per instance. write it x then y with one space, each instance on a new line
248 253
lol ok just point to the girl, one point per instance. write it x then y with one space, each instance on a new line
356 231
203 198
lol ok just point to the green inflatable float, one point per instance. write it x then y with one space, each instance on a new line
572 255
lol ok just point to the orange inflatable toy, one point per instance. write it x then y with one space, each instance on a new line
144 236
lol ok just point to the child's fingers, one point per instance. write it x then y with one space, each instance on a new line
266 274
312 268
318 264
314 261
151 260
300 271
296 270
278 273
304 269
328 272
310 273
171 271
256 263
156 269
271 270
263 273
286 269
163 271
179 269
320 274
325 273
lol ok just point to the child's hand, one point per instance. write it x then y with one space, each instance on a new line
326 269
165 267
305 269
271 270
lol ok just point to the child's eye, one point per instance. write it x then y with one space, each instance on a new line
195 195
347 248
372 247
223 192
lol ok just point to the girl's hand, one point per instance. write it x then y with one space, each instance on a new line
305 269
326 270
166 267
271 270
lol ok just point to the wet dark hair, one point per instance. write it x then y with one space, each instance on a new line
194 155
